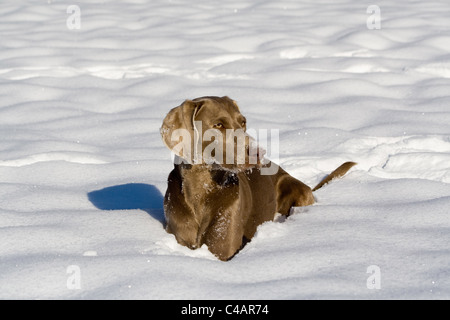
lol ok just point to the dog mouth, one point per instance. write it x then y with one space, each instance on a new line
233 149
253 158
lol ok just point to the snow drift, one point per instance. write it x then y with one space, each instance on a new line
83 169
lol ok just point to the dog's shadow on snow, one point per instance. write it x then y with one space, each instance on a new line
130 196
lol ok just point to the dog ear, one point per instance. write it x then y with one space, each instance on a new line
179 123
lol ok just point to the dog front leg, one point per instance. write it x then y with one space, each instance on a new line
225 234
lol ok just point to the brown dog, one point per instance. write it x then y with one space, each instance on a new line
222 204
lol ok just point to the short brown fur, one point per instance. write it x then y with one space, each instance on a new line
222 205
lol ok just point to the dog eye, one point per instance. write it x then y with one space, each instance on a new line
218 125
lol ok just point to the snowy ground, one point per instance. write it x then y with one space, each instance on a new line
83 168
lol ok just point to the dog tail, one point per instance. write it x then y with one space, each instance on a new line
339 172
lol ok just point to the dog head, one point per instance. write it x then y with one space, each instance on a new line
210 130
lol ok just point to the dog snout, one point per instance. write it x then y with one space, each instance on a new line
255 152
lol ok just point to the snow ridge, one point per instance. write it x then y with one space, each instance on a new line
83 169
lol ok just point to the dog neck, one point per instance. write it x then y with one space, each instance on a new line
209 176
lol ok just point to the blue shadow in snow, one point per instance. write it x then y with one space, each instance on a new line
129 197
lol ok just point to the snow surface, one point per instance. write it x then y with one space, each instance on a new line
83 168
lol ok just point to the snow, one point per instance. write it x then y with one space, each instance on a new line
83 169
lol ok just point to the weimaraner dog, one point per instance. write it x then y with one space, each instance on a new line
221 204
